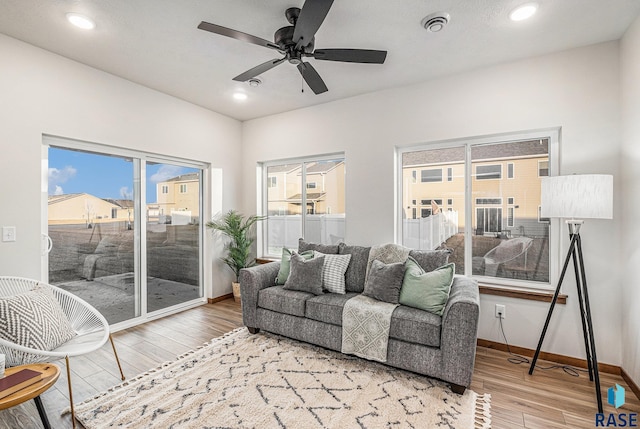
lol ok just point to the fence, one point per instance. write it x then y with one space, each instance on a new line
284 231
428 233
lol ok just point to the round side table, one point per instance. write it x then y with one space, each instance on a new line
50 374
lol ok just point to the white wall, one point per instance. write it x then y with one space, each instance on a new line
630 101
577 90
43 93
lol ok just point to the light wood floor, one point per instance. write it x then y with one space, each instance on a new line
547 400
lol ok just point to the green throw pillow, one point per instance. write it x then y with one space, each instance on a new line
427 291
285 264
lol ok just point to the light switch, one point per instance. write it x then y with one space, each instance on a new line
8 233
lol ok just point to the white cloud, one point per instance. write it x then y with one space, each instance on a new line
57 177
166 172
125 193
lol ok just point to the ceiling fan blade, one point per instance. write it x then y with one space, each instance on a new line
311 16
238 35
351 55
313 79
257 70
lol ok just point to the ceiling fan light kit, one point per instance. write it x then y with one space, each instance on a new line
296 42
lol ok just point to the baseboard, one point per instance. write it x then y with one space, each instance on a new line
632 384
219 298
561 359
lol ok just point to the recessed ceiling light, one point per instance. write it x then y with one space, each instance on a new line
523 12
81 21
239 96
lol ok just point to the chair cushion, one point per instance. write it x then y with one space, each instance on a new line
278 299
327 308
415 326
357 270
34 319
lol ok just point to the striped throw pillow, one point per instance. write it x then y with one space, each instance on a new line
34 319
333 272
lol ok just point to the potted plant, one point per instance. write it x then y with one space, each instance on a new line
240 233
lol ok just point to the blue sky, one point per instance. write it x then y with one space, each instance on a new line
72 172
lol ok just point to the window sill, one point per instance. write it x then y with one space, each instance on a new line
522 294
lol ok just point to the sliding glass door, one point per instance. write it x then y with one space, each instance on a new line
125 230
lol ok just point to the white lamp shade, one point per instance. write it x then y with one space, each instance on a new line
578 196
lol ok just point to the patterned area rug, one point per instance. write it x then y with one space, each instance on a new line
266 381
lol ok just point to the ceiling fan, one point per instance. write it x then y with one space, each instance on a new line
296 42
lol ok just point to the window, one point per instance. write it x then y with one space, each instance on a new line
480 219
307 201
114 213
488 172
272 181
449 174
413 202
433 175
183 188
543 168
165 189
414 176
510 213
488 201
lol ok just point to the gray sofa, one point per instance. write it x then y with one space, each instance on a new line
442 347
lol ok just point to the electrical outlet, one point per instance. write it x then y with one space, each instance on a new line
8 233
501 311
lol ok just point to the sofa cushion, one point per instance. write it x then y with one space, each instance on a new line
333 271
328 249
384 281
285 264
427 291
327 308
430 260
357 270
276 298
415 326
306 275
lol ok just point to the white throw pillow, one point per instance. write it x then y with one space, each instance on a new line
333 272
34 319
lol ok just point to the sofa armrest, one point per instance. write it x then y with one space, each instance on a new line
460 330
252 280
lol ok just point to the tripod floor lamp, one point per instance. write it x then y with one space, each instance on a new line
586 196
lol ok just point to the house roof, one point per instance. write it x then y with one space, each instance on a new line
311 197
53 199
120 203
323 167
184 177
511 150
285 168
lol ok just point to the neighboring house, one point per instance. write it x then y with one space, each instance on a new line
505 184
324 186
87 209
178 194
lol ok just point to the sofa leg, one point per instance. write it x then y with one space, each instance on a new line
253 330
456 388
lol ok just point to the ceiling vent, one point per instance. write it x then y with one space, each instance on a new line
435 22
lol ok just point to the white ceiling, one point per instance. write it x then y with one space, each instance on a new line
156 43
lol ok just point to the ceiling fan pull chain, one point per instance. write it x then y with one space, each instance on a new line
301 84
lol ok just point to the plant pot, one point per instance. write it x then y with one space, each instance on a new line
236 291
